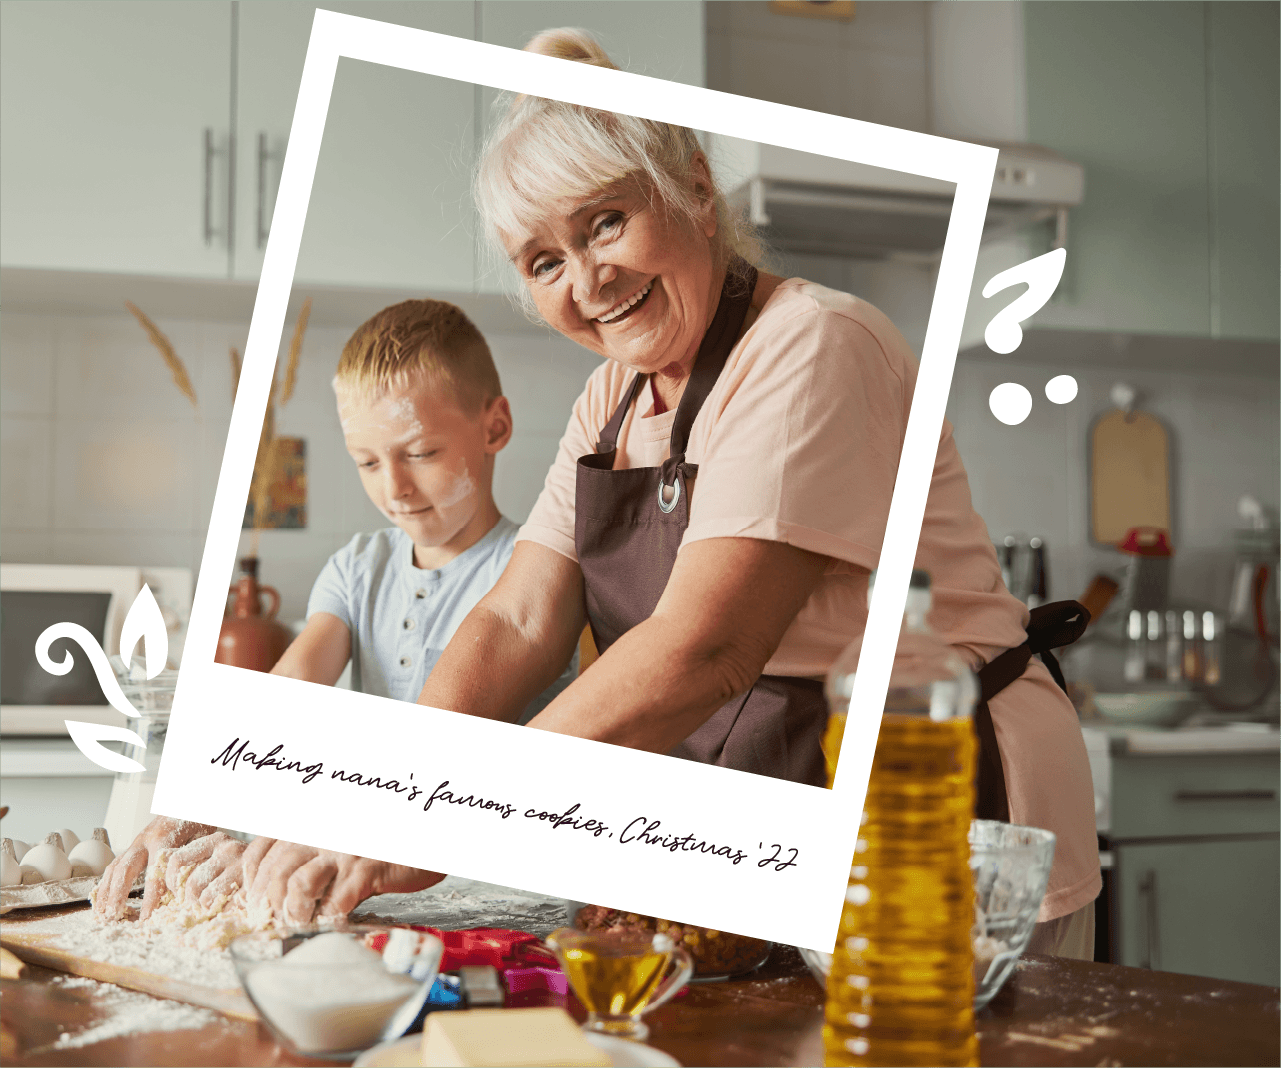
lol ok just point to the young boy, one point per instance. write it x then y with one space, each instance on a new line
423 417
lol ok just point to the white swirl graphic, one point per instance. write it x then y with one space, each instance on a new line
101 667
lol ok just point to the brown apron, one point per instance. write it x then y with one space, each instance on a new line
627 528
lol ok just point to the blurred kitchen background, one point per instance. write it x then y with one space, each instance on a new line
141 145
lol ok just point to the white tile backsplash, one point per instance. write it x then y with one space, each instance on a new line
126 548
25 469
104 461
19 545
1225 441
26 378
122 474
84 497
106 367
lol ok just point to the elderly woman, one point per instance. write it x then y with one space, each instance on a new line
716 506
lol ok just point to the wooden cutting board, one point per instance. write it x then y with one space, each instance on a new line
1129 475
41 947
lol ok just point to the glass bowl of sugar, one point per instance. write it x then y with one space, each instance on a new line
333 992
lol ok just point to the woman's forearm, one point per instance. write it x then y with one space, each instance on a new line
650 690
723 614
515 642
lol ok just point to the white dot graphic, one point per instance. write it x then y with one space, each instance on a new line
1010 403
1061 389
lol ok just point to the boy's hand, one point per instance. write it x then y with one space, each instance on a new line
301 883
119 876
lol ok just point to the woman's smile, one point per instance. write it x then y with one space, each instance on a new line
623 308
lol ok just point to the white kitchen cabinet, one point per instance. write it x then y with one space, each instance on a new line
1200 907
104 109
1243 87
1172 109
660 40
391 204
1195 847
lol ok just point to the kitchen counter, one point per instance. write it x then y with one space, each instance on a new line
1052 1012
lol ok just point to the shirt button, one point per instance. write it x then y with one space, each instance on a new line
405 661
420 594
408 624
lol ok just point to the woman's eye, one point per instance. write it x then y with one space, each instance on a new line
543 268
609 223
368 463
423 455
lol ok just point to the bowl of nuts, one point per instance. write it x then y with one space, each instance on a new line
716 954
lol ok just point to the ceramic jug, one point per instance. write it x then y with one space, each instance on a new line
249 637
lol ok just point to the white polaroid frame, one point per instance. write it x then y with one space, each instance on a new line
702 844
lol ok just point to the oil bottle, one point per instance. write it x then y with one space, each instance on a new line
901 987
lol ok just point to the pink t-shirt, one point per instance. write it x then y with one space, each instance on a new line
799 442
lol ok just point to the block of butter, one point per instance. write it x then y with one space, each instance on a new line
508 1038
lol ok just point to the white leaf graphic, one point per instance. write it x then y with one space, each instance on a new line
88 737
97 658
146 622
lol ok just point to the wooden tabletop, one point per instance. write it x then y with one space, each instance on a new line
1052 1012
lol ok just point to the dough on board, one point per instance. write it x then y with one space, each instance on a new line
213 927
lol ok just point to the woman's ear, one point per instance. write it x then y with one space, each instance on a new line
498 425
704 188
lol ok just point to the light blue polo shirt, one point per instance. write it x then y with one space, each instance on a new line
401 617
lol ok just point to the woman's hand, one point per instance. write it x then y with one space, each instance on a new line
119 876
301 883
215 869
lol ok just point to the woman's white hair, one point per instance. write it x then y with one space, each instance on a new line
544 150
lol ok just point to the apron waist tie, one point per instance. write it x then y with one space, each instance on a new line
1051 626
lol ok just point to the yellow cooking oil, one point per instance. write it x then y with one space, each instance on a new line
901 986
616 980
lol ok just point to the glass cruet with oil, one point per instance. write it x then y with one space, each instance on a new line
901 987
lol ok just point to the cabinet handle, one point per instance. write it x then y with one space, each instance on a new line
263 157
208 206
1152 950
1226 795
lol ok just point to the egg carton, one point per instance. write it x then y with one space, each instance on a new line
52 892
45 892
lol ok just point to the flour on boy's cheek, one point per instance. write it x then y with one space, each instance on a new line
458 490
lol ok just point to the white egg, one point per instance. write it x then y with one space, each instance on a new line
89 858
10 869
47 859
69 839
19 848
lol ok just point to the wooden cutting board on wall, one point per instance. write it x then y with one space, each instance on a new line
1129 475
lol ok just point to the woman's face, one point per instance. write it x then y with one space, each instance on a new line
624 277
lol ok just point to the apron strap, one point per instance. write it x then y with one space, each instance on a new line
1051 626
609 435
736 299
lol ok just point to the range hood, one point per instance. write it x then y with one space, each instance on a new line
808 204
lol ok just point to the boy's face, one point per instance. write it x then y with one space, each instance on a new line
425 463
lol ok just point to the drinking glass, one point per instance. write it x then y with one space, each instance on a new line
620 975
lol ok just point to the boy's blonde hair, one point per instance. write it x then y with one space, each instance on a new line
429 337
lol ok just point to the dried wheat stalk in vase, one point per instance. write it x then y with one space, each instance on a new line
176 368
264 464
295 352
235 372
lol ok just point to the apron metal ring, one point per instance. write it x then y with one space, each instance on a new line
663 504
